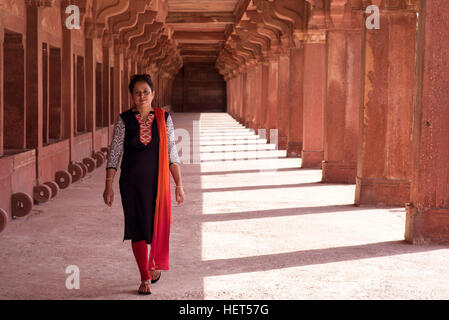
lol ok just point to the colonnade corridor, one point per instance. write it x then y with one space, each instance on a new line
261 228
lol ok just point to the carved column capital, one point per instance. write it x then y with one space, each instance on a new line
361 5
90 29
298 39
39 3
107 39
118 45
286 43
315 36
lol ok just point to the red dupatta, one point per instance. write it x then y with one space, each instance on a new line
162 212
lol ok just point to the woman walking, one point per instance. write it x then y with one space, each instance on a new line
145 136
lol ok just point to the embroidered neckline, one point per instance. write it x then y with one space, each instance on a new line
134 110
145 127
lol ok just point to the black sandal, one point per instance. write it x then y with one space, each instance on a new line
142 292
156 280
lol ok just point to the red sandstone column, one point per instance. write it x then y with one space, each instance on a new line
167 91
162 88
231 85
118 63
98 95
33 78
133 67
254 102
341 114
106 82
384 166
427 217
235 95
249 92
245 95
154 74
45 91
67 85
296 93
80 118
251 95
55 117
257 100
284 99
240 88
185 106
90 74
314 98
232 93
2 105
126 77
238 96
156 82
228 95
159 89
171 83
272 95
264 97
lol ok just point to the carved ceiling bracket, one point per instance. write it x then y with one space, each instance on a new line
39 3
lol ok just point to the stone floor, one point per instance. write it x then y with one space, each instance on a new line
249 229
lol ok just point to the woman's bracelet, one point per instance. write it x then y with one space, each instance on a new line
179 186
109 179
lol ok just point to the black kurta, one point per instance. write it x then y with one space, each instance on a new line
138 179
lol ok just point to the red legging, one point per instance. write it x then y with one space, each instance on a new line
140 250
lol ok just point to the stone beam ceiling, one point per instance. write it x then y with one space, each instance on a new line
233 34
169 32
202 23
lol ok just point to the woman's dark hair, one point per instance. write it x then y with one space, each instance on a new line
140 77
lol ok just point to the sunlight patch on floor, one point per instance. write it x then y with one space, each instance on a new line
302 232
276 198
263 179
260 164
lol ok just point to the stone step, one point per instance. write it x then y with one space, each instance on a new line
216 120
226 138
226 131
227 135
215 156
232 142
220 125
240 147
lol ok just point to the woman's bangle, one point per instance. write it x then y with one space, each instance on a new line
109 179
179 186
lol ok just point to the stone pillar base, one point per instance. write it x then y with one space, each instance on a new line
312 159
427 226
294 149
382 191
339 172
282 142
